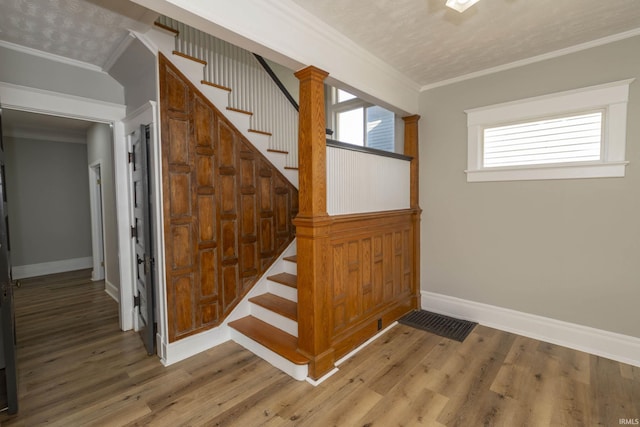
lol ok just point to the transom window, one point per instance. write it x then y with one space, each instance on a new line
358 122
574 134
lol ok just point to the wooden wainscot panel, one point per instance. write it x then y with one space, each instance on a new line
227 210
370 274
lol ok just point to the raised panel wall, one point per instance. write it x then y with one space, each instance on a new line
227 210
370 274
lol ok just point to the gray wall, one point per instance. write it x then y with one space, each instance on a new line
100 148
135 70
48 196
563 249
33 71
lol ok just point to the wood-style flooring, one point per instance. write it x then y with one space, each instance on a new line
76 368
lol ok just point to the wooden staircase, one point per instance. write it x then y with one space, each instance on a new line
265 322
271 328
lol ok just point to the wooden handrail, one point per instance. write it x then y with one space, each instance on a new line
277 81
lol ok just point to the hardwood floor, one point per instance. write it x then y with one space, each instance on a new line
76 369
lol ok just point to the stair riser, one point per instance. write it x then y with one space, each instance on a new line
275 319
283 291
298 372
192 69
218 97
290 267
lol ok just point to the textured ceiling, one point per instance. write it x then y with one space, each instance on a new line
84 30
423 39
430 43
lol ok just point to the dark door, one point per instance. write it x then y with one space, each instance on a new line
142 237
8 333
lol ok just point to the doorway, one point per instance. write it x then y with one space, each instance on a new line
97 225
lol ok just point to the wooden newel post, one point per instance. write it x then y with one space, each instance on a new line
411 144
312 225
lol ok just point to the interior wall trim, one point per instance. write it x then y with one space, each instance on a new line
618 347
112 291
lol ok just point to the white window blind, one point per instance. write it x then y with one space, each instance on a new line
579 133
576 138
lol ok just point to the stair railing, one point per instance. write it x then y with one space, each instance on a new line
253 89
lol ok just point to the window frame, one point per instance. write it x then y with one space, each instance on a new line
611 98
335 108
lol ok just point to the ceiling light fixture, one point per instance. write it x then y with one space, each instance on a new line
461 5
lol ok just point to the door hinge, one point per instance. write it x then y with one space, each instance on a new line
99 182
134 232
132 157
136 301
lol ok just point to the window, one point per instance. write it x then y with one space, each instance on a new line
361 123
574 134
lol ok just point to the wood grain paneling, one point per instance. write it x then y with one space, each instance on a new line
227 210
370 274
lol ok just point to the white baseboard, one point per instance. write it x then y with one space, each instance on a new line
190 346
42 269
112 291
622 348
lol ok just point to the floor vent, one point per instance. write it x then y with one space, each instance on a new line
438 324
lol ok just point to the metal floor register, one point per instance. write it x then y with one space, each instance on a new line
438 324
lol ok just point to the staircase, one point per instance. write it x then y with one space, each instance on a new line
265 322
270 330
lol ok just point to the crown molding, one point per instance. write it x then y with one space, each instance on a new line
538 58
50 56
301 40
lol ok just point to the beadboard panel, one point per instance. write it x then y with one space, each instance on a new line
359 182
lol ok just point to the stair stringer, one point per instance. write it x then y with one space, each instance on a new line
160 40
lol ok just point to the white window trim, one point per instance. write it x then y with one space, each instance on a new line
610 97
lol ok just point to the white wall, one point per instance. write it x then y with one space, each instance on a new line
48 197
100 149
564 249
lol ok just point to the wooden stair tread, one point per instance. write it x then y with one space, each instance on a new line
287 279
192 58
271 337
273 150
237 110
282 306
292 258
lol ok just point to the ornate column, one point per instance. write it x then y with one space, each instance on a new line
312 226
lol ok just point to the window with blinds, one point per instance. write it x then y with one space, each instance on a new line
576 138
579 133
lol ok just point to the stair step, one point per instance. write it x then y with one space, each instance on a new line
237 110
273 150
273 338
282 306
292 258
287 279
192 58
167 28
